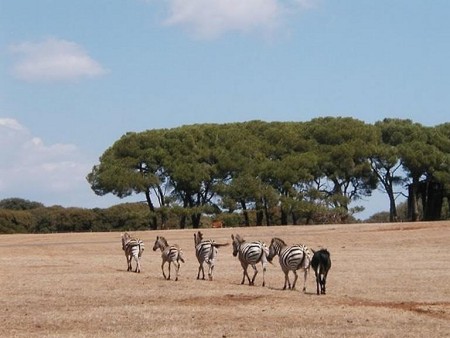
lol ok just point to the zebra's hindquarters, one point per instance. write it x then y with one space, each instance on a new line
293 258
251 254
172 254
134 249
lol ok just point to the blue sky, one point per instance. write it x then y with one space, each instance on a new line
76 75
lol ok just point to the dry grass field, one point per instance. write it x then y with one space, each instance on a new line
387 280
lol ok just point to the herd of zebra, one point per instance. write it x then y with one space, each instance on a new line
291 257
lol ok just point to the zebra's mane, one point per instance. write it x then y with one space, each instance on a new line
279 240
239 238
164 240
198 238
125 239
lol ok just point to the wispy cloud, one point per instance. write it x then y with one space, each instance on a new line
212 18
53 60
31 169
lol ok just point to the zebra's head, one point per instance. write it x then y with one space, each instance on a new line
160 243
272 252
198 238
275 247
125 239
237 241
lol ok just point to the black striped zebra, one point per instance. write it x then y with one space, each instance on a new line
206 252
169 253
250 253
133 248
292 258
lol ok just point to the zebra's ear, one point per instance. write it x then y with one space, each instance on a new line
232 237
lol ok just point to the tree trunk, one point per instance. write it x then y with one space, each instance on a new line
432 196
413 208
259 214
294 218
284 217
195 218
153 219
183 221
245 212
267 213
392 206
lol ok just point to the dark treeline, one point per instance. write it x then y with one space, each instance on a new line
22 216
258 173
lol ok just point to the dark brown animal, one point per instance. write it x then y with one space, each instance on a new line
321 264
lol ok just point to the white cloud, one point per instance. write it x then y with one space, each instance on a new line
53 60
31 169
211 18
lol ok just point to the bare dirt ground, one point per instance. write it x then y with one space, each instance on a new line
387 280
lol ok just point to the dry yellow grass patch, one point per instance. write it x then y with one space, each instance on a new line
387 280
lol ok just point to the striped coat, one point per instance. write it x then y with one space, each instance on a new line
133 248
206 252
169 254
291 258
250 253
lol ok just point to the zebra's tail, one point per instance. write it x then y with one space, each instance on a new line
180 255
218 245
266 252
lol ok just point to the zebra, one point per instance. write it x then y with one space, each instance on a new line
169 253
292 258
250 253
133 248
321 264
206 252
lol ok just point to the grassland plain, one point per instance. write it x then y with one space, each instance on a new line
387 280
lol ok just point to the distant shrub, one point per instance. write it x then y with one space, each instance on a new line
15 221
19 204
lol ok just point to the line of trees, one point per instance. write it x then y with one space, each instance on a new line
279 172
19 215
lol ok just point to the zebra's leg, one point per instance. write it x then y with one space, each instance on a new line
200 269
244 273
170 263
264 276
130 267
295 280
177 268
304 280
138 265
317 282
324 281
286 280
210 271
127 256
162 269
203 271
254 275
